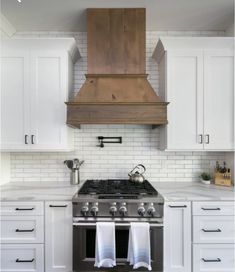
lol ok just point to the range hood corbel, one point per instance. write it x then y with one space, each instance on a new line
116 89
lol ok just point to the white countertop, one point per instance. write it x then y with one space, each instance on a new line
37 191
192 191
171 191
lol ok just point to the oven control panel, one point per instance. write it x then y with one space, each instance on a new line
117 209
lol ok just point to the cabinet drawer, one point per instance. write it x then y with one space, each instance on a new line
213 258
213 229
22 229
22 258
213 208
21 208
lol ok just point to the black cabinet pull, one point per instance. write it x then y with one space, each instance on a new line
32 139
24 261
210 209
58 206
217 260
26 139
207 136
24 230
24 209
200 139
215 230
179 206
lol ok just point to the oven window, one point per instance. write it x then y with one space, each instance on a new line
122 237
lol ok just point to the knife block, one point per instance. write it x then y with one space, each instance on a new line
223 179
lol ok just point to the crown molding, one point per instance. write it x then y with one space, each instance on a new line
6 27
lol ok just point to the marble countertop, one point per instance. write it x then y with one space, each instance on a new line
37 191
171 191
192 191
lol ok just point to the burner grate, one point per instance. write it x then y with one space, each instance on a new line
117 187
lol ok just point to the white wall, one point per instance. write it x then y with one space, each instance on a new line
5 168
140 142
230 30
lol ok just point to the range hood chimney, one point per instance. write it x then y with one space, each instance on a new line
116 90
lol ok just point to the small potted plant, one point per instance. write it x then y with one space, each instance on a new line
205 178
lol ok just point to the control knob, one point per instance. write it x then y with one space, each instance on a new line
141 209
85 209
151 210
94 209
123 209
113 209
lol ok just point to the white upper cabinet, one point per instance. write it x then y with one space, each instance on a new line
37 76
49 69
184 92
14 99
196 77
218 99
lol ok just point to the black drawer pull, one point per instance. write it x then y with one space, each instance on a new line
24 261
210 209
58 206
215 230
26 139
179 206
24 209
32 139
211 260
24 230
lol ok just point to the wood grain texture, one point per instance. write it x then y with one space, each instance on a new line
116 41
98 47
147 113
116 89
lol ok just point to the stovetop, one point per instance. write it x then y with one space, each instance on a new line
117 187
117 198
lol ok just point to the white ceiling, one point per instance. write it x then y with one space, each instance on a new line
70 15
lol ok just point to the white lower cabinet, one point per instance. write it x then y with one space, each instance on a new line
213 236
177 237
22 257
22 229
213 229
22 236
58 236
213 258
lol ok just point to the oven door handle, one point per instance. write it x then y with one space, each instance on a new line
87 224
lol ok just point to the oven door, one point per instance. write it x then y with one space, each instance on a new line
84 247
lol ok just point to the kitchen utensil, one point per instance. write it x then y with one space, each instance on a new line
69 164
74 165
136 174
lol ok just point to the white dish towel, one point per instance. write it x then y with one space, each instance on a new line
139 253
105 252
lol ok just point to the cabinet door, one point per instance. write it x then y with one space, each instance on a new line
21 258
58 236
218 100
49 83
213 258
14 100
185 94
22 229
177 237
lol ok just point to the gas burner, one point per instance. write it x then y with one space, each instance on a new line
117 198
117 187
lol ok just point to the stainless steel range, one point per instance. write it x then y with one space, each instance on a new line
122 202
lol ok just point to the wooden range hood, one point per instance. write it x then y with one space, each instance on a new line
116 90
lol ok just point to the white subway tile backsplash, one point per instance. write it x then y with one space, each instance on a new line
140 142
